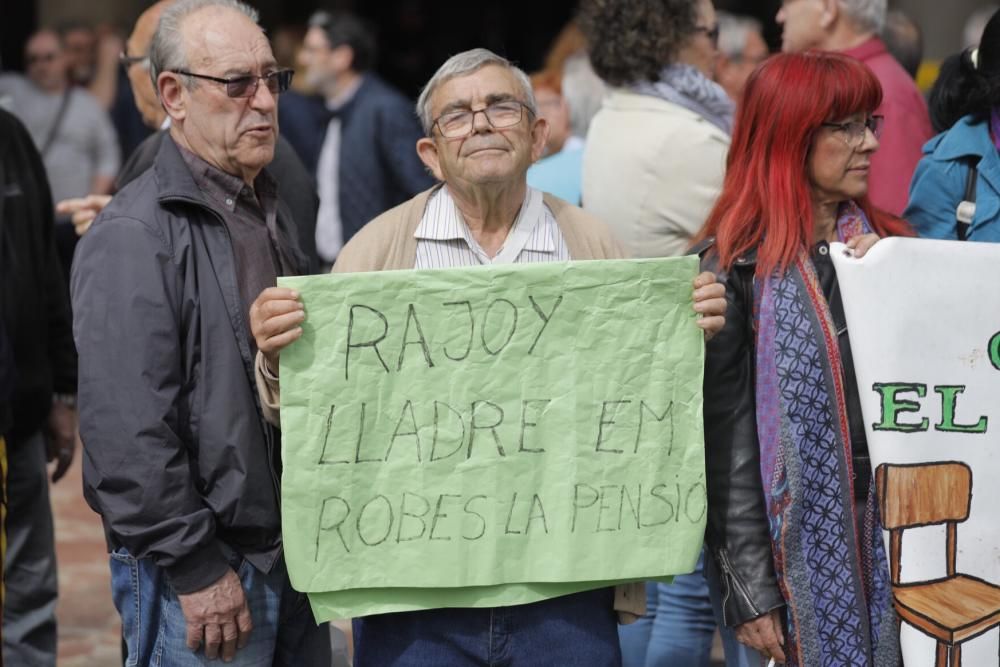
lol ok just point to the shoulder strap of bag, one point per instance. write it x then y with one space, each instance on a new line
966 210
57 123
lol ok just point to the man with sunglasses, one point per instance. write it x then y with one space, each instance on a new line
296 187
180 463
852 27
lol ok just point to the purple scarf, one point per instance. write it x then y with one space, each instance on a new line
836 583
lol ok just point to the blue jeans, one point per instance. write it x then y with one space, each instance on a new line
680 624
284 632
578 629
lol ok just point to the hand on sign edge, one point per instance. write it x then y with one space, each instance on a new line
276 317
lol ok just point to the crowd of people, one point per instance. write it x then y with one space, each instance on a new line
139 312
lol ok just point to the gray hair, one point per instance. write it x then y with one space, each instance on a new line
166 50
464 63
734 31
583 91
867 14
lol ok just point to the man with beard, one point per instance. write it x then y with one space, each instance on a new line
359 139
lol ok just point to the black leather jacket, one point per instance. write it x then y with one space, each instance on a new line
737 533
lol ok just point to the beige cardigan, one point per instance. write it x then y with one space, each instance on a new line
388 243
652 171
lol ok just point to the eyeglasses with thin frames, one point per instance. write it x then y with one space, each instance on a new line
500 115
854 132
126 61
246 86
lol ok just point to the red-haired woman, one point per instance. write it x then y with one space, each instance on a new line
803 564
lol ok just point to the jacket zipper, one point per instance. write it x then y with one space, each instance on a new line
735 582
269 431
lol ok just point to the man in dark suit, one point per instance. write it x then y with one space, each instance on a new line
359 138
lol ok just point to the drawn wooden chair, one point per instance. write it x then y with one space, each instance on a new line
954 608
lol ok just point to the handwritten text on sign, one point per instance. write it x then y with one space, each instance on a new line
471 427
927 357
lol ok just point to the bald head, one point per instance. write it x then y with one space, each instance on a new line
145 26
137 45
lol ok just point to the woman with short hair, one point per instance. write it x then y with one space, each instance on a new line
792 522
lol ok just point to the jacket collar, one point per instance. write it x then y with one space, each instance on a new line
176 181
346 106
749 258
867 49
969 138
173 175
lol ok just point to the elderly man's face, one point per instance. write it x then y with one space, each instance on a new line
801 24
235 134
487 155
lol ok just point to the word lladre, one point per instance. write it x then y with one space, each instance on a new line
450 433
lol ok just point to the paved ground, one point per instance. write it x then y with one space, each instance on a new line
89 629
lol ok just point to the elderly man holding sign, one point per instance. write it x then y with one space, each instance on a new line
483 132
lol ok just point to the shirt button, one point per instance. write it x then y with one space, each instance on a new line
824 249
229 201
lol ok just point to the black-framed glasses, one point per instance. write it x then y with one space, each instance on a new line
499 115
854 132
126 61
246 86
712 32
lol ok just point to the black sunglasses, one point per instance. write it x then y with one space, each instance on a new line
246 86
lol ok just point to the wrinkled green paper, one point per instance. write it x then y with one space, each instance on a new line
492 435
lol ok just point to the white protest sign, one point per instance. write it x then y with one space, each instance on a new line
924 323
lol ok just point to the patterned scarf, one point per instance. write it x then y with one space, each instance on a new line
685 86
836 583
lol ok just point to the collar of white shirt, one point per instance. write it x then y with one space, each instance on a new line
443 222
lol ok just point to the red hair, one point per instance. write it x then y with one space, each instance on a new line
765 201
547 78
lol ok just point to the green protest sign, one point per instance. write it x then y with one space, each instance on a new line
492 435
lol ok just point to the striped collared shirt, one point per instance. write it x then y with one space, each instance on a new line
444 240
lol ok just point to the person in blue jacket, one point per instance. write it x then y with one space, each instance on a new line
955 192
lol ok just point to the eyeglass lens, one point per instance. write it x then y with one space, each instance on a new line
246 86
506 114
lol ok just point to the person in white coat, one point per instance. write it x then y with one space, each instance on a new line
657 149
